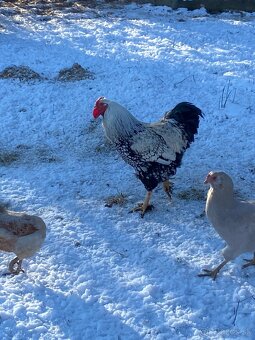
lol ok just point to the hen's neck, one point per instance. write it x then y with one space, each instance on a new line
222 198
120 124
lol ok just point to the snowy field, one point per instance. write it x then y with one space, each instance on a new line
104 273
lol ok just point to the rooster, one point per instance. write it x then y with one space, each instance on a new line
154 150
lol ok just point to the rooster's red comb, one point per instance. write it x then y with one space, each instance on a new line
99 100
99 108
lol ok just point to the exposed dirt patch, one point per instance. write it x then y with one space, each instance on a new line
44 7
26 74
74 73
22 73
27 154
52 7
192 194
8 157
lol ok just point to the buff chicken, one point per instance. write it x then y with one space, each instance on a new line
21 234
233 220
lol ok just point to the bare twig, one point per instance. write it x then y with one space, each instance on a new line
225 95
119 253
237 307
235 312
179 82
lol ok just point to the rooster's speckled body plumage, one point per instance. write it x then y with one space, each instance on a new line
154 150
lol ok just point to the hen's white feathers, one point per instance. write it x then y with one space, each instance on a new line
234 220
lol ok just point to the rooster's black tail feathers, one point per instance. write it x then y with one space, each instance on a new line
187 115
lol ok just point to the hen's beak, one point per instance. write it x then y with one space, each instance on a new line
208 179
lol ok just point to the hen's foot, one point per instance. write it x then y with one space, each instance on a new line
249 263
18 263
140 207
212 273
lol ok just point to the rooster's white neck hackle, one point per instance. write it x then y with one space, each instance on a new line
118 122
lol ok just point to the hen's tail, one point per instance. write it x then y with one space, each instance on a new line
187 115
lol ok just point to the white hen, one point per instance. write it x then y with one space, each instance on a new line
234 220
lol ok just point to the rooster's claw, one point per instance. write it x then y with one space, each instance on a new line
140 207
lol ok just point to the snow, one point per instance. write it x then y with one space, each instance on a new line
102 272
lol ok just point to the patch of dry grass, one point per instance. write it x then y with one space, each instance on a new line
23 73
118 199
74 73
9 157
27 154
192 194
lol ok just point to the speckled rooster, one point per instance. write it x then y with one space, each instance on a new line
154 150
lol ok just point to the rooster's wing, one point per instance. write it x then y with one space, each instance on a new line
159 142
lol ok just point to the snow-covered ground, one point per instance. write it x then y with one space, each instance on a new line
104 273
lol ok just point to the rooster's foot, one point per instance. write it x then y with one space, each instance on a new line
17 262
168 188
140 207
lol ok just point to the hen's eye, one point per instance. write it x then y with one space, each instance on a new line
214 177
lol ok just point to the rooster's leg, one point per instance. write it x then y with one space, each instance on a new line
145 206
168 188
16 271
249 262
213 273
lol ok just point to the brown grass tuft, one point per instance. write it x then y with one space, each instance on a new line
23 73
119 199
192 194
74 73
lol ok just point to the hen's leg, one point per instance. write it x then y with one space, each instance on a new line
16 271
145 206
213 273
249 262
168 188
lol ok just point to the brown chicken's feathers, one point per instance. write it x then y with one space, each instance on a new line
21 234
